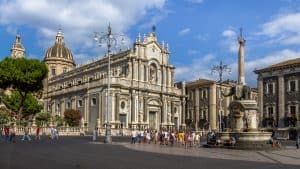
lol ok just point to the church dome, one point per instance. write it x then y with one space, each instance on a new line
59 51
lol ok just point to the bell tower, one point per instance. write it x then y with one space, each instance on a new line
18 50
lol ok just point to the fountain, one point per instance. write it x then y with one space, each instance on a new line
243 113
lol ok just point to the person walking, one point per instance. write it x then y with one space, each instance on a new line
26 134
298 142
95 134
12 137
6 133
133 136
55 132
37 133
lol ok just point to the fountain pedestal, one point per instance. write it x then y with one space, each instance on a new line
244 126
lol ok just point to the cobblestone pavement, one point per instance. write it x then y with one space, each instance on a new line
289 155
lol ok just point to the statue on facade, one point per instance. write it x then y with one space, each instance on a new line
152 74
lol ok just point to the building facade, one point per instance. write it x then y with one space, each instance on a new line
278 94
206 107
142 92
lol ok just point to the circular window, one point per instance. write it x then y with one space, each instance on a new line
122 104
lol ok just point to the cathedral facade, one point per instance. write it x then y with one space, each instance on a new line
142 91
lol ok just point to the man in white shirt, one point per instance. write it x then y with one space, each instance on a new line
133 136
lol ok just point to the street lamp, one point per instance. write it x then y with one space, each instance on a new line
110 40
220 69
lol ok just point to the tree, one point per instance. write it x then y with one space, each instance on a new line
42 118
72 117
30 107
23 75
4 116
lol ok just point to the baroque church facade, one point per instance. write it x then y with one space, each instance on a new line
142 92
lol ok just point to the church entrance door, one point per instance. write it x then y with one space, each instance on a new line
152 120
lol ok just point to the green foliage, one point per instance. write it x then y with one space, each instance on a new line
58 120
4 117
42 118
23 75
31 105
72 117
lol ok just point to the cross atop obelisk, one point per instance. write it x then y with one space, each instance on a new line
241 71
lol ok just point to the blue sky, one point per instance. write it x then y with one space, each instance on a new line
200 33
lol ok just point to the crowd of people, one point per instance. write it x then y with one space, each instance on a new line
164 137
9 134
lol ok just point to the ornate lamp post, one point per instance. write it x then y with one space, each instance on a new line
109 40
220 69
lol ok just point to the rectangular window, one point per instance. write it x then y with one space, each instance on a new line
292 85
204 94
270 88
270 111
93 101
79 103
293 111
68 105
53 71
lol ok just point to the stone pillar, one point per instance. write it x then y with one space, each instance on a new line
117 107
281 101
183 112
86 108
260 87
99 119
164 76
63 107
212 107
145 109
135 70
73 103
112 103
197 108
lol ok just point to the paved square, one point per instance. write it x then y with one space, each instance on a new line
80 152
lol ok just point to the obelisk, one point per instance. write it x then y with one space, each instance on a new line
241 71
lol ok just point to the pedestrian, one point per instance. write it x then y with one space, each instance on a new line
37 133
95 133
133 136
12 137
55 132
298 142
26 134
6 133
52 132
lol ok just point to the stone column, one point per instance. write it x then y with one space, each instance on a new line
183 112
197 108
281 101
117 107
212 107
63 107
260 103
99 120
145 109
86 108
135 70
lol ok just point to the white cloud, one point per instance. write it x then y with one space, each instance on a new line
192 52
201 67
283 29
229 40
228 33
184 31
195 1
79 19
